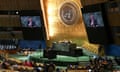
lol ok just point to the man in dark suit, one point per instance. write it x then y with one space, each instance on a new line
93 21
30 23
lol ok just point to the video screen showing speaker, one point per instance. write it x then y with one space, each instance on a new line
32 24
30 21
96 24
93 19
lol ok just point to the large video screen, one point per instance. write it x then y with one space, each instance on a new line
93 19
31 21
96 24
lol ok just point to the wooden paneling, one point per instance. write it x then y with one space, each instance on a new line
9 21
78 70
9 35
34 5
8 5
13 4
4 5
15 21
19 5
91 2
28 4
114 19
4 20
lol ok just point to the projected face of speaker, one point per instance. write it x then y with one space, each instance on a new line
93 19
30 21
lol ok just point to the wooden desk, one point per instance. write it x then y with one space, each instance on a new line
77 70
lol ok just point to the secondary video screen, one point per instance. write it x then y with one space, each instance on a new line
30 21
93 19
